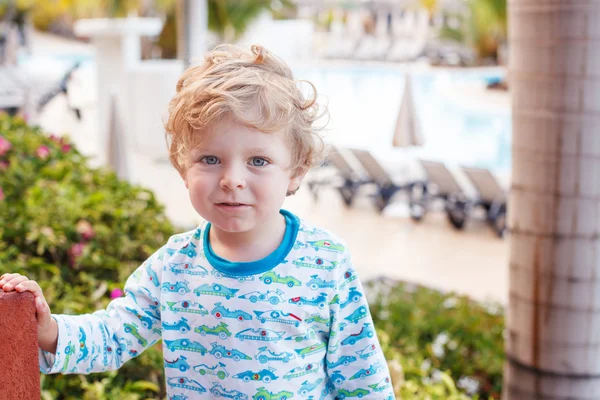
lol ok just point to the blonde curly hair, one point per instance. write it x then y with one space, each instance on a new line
255 88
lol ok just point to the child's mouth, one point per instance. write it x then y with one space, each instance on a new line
231 206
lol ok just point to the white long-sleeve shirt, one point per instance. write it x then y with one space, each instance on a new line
292 325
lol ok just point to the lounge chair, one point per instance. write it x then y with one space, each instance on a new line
491 196
346 179
387 187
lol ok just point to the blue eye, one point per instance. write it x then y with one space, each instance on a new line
258 162
210 160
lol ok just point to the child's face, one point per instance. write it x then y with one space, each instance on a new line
239 177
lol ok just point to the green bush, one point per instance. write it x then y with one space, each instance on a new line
80 232
439 339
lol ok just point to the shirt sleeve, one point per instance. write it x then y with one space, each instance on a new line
106 339
355 362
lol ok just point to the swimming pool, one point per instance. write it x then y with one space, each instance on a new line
460 126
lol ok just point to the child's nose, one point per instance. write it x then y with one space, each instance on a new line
233 178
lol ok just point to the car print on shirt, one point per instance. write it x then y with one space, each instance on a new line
220 351
365 332
219 330
185 306
308 335
265 375
145 291
185 383
316 318
122 344
299 245
219 391
278 316
152 275
215 289
343 360
312 349
319 301
181 326
270 296
179 363
317 282
179 397
185 345
187 269
373 369
314 262
240 278
380 386
133 330
303 370
264 394
360 393
69 351
180 287
271 277
217 370
353 297
95 355
367 351
189 250
357 315
327 245
83 350
337 377
221 311
306 387
264 355
348 277
260 334
335 300
146 320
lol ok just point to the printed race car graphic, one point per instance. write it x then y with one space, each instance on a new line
306 387
357 315
152 275
83 350
353 297
240 278
306 369
220 351
217 370
185 383
367 352
185 306
278 316
179 363
337 377
365 332
187 269
179 397
264 394
308 335
270 296
145 291
189 250
343 360
262 334
373 369
146 321
316 283
315 262
180 287
265 355
219 330
215 289
360 393
349 276
318 301
222 312
69 351
380 386
272 277
219 391
181 326
327 245
310 350
133 330
318 319
185 345
264 375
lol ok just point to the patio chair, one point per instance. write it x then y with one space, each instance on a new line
346 180
387 187
491 196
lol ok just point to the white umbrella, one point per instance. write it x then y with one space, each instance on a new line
408 132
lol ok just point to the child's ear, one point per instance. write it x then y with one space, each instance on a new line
296 180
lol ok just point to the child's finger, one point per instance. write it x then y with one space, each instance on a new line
10 285
6 277
30 286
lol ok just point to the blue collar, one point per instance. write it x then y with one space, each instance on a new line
292 224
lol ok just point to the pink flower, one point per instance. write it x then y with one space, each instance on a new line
85 229
1 194
116 293
75 252
65 148
5 146
43 152
4 165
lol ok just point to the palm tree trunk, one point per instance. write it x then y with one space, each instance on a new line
192 29
553 322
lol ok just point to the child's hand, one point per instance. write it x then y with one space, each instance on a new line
47 327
